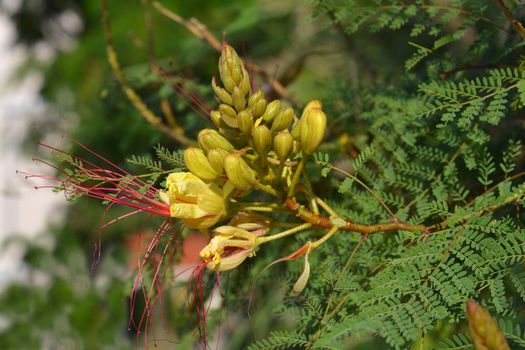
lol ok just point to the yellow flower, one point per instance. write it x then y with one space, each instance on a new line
229 247
196 203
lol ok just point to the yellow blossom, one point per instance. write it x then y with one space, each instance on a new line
198 204
229 247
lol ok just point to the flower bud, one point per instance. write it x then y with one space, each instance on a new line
209 139
283 144
486 333
232 71
262 139
221 93
198 164
216 159
256 96
239 99
313 128
215 117
296 130
228 115
259 108
239 172
271 110
283 120
245 121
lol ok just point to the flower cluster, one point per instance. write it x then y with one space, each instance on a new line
255 147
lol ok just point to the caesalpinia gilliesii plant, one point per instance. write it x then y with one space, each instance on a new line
257 146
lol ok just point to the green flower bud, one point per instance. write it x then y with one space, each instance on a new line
221 93
283 120
256 96
259 108
239 172
209 139
228 115
216 159
239 99
245 122
199 165
232 71
313 128
245 83
283 144
262 139
296 131
215 117
271 110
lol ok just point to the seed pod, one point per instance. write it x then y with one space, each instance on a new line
283 120
209 139
313 128
271 110
216 159
245 122
199 165
262 139
283 144
239 172
239 99
221 93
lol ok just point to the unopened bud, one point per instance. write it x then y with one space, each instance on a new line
239 99
485 332
232 71
283 120
271 110
239 172
245 121
215 117
198 164
228 115
221 93
262 139
209 139
283 144
216 159
313 128
296 130
259 108
256 96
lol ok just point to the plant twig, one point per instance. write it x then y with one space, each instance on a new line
132 96
518 26
345 225
200 30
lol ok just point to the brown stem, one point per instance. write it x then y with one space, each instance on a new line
515 23
364 229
